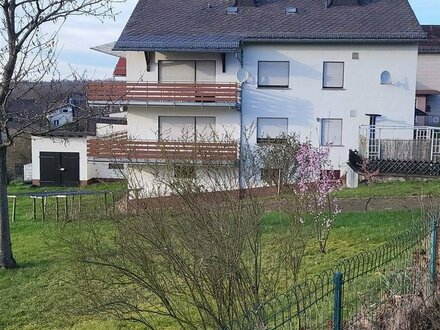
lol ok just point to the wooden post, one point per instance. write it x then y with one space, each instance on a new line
113 201
57 217
14 207
105 202
43 208
72 204
34 208
66 208
79 203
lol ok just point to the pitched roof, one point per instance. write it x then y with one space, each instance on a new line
204 25
432 44
120 68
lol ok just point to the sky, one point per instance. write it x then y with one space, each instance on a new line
79 34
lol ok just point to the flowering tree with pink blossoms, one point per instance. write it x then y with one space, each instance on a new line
315 185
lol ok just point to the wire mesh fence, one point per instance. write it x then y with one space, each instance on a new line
373 290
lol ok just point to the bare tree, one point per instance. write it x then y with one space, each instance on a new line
189 250
28 53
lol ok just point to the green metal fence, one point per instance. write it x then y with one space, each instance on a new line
373 290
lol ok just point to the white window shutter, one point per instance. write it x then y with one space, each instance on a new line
271 127
205 71
176 128
273 74
177 71
205 128
333 75
331 131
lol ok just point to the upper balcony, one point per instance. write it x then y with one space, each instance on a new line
163 93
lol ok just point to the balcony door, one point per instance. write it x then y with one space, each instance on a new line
186 71
186 128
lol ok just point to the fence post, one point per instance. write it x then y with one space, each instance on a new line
433 256
337 312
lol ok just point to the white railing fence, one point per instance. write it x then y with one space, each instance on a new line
411 143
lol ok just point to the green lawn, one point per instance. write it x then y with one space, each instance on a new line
34 296
396 188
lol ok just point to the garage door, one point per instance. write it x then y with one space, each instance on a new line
59 169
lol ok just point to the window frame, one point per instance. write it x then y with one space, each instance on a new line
177 174
159 131
273 86
322 136
159 64
323 75
271 175
261 140
115 166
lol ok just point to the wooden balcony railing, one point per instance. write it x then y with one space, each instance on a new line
113 91
138 150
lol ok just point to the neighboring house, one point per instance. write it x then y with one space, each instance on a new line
66 113
61 157
36 106
264 68
61 116
120 71
428 78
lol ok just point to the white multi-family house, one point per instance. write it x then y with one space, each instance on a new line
263 68
61 116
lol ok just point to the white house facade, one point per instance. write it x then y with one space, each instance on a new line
319 69
428 78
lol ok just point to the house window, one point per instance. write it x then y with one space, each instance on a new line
115 166
331 131
184 172
273 74
56 123
187 71
185 128
271 175
333 75
271 129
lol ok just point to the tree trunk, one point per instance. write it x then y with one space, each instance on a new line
6 257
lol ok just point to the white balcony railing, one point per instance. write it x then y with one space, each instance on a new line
411 143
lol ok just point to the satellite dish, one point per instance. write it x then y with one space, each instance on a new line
242 75
385 78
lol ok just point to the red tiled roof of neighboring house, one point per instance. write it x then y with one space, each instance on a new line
120 68
432 44
206 26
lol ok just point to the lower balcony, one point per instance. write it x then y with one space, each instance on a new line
139 151
163 93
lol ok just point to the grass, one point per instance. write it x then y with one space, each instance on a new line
395 188
34 296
